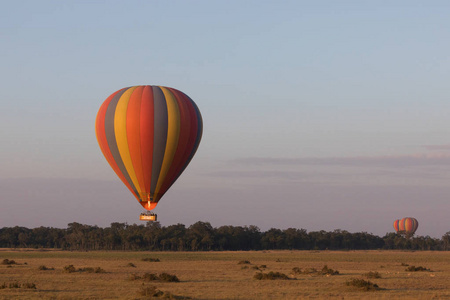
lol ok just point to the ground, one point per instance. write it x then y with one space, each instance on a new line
222 275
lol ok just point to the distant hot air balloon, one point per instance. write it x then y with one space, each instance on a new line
148 135
406 225
396 225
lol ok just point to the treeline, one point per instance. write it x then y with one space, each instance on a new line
201 236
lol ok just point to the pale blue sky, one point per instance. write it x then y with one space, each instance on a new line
317 114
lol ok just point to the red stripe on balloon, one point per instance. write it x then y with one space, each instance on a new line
147 135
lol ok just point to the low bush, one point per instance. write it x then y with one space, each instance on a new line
87 270
309 271
131 265
29 285
8 262
150 277
327 271
18 285
271 276
99 270
72 269
150 259
69 269
44 268
416 269
244 262
312 271
372 275
168 277
362 284
150 291
153 277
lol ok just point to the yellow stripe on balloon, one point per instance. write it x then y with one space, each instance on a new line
173 133
120 129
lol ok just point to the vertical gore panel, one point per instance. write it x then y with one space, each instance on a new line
173 133
133 116
100 131
401 224
147 133
111 138
160 135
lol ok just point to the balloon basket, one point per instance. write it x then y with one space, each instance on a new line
148 217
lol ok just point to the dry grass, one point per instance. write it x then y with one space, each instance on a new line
217 275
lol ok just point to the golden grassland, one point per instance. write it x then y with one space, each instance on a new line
218 275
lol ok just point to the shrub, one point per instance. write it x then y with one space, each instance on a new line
44 268
99 270
309 271
150 277
3 286
271 276
8 262
69 269
244 262
362 284
416 269
131 265
29 285
168 277
14 285
404 265
150 259
296 270
263 266
150 291
372 275
87 270
326 271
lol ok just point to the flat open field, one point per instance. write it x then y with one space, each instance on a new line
218 275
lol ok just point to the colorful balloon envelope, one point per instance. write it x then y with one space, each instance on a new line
407 225
148 135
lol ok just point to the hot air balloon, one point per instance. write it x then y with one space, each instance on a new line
406 225
148 135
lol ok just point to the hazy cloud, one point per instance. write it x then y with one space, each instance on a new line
437 147
409 160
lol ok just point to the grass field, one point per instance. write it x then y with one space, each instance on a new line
222 275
